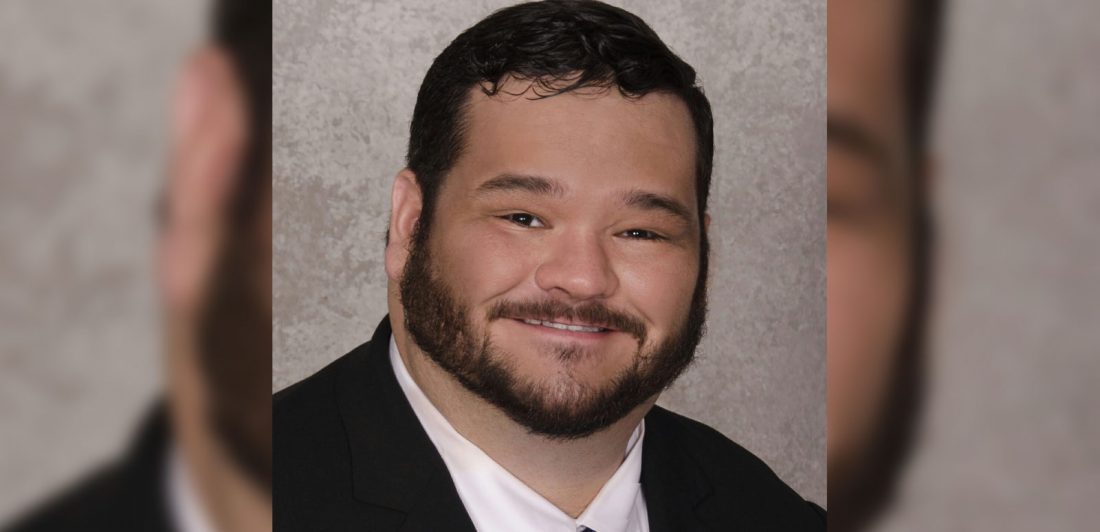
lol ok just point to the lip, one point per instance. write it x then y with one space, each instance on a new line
565 333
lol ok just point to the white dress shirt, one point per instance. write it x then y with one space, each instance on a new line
184 506
497 501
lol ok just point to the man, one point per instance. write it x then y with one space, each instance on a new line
202 459
547 258
881 68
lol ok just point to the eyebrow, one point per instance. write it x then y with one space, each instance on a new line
657 202
523 183
857 139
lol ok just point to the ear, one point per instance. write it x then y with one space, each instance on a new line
706 223
406 204
208 140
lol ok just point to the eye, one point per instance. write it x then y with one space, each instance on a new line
524 219
641 234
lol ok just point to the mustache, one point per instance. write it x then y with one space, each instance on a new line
593 313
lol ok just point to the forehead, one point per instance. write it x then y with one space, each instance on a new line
865 56
589 139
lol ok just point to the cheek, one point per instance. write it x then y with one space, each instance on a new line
866 306
481 263
660 288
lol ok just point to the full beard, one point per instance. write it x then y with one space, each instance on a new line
235 350
441 327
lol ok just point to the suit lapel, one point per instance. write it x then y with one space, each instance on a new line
676 490
394 464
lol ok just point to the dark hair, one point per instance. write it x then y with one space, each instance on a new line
243 29
921 54
559 46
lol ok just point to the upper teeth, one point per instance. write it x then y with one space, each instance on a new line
562 326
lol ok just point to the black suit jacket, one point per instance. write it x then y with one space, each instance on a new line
350 454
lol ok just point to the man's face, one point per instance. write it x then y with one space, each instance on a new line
561 275
870 252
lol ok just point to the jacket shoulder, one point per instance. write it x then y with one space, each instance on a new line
309 448
740 480
315 391
91 503
127 494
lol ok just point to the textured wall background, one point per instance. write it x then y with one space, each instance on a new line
84 92
345 81
1011 440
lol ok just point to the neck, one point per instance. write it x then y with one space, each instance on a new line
229 498
568 473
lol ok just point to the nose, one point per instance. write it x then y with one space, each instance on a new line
577 267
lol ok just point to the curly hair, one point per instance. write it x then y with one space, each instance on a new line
559 46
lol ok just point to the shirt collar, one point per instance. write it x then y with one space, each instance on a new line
497 500
187 511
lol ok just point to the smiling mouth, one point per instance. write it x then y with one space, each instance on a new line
566 326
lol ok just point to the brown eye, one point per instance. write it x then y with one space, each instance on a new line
524 219
641 234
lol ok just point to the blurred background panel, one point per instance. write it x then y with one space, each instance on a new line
85 87
1011 436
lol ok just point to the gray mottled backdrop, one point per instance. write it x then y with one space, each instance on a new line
84 98
345 81
1011 439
